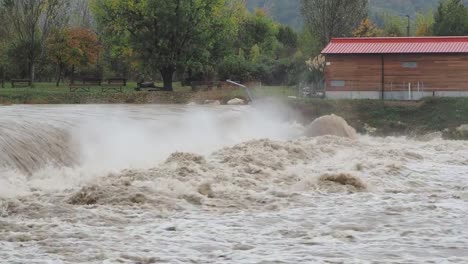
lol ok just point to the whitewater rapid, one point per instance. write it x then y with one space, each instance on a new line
218 184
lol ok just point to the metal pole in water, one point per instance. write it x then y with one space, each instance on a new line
247 90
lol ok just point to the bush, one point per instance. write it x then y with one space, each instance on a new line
235 67
286 71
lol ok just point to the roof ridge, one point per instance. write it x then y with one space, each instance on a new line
402 45
400 39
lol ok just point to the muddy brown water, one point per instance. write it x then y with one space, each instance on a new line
219 184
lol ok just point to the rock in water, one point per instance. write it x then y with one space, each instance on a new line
212 102
236 101
330 125
463 128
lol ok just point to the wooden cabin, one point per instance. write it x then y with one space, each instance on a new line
396 68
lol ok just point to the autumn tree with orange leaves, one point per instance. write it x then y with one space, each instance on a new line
367 29
73 47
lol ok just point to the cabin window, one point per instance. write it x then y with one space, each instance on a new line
409 64
338 83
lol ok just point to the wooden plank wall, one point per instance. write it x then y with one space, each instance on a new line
438 72
359 72
434 72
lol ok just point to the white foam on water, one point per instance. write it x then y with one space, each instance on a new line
188 184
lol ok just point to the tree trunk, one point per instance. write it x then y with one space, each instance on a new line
167 74
59 76
30 73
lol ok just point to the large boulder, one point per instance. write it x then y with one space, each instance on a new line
236 101
330 125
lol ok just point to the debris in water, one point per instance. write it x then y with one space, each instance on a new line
344 179
182 157
138 198
205 189
171 228
212 102
86 196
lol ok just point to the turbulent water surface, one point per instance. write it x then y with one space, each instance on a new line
188 184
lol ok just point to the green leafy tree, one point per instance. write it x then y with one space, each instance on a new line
5 36
118 53
166 35
451 19
424 23
258 29
255 53
288 39
393 26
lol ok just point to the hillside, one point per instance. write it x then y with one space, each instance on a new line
288 12
285 12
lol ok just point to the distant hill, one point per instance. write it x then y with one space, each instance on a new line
288 11
284 11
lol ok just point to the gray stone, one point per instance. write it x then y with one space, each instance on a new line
236 101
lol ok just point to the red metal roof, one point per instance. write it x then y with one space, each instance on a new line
397 45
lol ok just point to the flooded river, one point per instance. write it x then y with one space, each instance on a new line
219 184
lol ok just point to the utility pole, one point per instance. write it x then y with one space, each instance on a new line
408 28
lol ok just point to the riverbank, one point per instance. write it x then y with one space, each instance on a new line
48 93
444 115
431 115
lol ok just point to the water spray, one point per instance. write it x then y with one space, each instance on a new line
247 89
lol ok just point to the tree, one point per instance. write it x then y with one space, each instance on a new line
166 35
288 39
367 29
424 23
285 12
5 36
393 26
333 18
451 19
81 14
258 29
32 21
73 47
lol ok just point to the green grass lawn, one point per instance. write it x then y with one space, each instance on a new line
48 92
51 88
42 89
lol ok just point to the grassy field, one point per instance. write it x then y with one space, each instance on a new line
48 93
